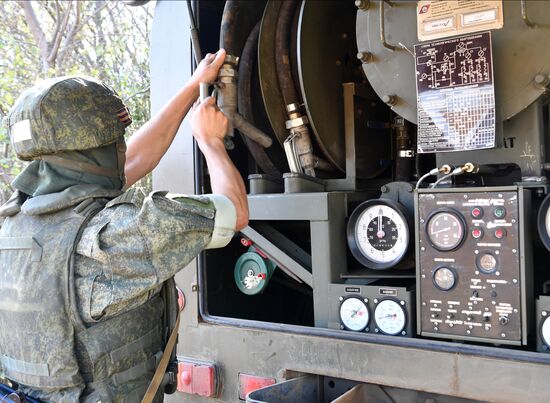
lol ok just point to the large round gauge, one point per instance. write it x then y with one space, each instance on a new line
445 230
444 278
543 222
378 233
390 317
545 331
354 314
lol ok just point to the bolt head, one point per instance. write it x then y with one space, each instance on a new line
402 302
362 4
341 298
375 301
544 313
389 99
542 80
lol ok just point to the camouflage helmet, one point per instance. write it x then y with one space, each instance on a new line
66 114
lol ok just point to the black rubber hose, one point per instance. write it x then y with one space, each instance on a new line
282 52
227 37
244 98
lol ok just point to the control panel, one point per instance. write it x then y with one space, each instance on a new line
471 266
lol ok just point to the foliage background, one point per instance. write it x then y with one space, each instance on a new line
42 39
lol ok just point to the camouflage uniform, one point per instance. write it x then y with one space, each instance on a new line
81 269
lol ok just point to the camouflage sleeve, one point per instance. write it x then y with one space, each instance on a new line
225 219
136 243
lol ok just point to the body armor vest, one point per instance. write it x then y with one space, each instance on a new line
44 345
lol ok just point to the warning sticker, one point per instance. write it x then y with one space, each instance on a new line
455 94
442 19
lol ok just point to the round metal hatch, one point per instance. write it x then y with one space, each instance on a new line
326 59
519 54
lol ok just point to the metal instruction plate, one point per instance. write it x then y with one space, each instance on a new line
442 19
455 94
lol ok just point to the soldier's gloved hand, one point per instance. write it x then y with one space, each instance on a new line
208 68
208 123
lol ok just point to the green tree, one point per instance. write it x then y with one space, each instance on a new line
42 39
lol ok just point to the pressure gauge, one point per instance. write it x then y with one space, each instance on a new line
390 317
543 222
446 230
444 278
545 331
378 233
354 314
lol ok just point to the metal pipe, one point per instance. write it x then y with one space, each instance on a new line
250 131
194 34
526 19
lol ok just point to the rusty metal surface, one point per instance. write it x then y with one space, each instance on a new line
272 97
275 354
327 59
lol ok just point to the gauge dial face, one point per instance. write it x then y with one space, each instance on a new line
445 230
354 314
487 263
382 234
547 221
389 317
545 331
444 278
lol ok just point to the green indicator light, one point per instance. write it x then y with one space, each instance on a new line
500 212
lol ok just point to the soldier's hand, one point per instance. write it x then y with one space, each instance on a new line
208 123
208 68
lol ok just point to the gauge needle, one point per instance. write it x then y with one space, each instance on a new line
441 230
380 234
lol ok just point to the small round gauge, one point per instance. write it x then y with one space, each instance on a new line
354 314
445 230
545 331
390 317
543 222
444 278
487 262
378 233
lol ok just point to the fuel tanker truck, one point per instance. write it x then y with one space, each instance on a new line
396 155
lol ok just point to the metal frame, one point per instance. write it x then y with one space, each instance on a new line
282 351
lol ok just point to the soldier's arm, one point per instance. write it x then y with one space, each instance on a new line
148 145
209 126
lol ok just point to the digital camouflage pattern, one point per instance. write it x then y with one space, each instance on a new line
66 114
135 244
103 344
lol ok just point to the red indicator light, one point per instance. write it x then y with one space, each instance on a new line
500 233
477 212
477 233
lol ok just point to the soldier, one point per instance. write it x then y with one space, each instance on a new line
81 261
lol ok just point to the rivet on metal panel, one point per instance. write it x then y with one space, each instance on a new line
194 287
389 99
365 57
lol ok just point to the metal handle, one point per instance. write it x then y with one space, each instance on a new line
526 19
382 27
203 90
